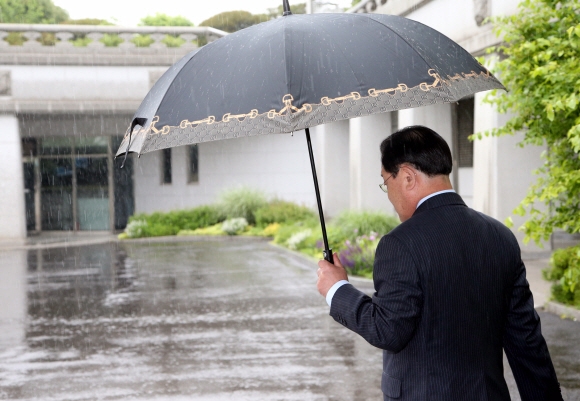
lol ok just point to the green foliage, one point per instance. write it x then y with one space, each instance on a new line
276 12
232 21
31 12
241 202
160 19
170 223
216 229
279 211
86 21
353 234
541 71
285 231
565 275
81 40
356 223
142 40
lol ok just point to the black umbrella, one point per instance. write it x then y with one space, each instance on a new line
299 71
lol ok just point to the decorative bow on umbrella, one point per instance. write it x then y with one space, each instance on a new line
299 71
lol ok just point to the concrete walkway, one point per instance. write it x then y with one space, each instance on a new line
206 318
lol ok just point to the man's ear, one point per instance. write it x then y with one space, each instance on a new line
409 177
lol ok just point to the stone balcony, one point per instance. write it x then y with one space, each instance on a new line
99 45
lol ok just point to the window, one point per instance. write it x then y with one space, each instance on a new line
166 166
464 148
394 121
193 164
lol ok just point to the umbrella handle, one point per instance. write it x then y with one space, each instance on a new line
327 253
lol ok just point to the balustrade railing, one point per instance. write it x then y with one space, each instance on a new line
104 36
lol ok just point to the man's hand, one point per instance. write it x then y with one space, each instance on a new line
329 274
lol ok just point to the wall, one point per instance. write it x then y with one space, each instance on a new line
12 214
331 153
276 164
79 82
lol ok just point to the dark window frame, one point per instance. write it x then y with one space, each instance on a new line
166 170
193 164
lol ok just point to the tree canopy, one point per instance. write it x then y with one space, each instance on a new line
541 71
299 8
31 12
160 19
232 21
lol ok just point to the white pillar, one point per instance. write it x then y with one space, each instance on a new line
502 170
437 117
330 144
366 135
12 208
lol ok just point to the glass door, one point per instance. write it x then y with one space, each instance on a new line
92 193
57 193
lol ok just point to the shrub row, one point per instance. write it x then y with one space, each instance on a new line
565 275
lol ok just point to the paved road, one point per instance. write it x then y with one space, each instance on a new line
203 320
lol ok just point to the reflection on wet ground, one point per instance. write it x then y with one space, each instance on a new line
180 320
203 320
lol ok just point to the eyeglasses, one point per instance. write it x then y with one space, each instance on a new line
384 186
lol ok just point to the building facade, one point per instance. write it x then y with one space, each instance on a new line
64 110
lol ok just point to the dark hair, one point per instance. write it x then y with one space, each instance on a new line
418 146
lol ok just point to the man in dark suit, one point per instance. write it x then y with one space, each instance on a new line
450 290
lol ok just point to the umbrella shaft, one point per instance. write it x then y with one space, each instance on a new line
327 251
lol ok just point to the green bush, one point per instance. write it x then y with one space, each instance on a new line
241 202
287 230
565 275
282 212
356 223
170 223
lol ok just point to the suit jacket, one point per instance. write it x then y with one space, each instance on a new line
450 294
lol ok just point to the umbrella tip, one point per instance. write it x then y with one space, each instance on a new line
286 7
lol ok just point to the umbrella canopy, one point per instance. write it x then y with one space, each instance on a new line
300 71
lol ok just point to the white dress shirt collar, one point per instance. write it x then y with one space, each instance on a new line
432 195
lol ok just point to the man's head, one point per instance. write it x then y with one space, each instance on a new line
416 162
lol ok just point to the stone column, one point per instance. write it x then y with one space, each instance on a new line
437 117
330 143
366 135
12 208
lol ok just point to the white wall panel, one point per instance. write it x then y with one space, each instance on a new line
12 209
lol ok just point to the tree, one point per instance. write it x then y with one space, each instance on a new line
232 21
299 8
160 19
31 12
541 71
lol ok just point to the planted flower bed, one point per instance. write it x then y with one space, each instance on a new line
354 235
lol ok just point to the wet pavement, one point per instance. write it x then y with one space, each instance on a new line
190 320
